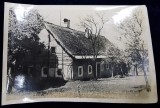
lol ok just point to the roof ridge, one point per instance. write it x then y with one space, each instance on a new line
70 28
64 27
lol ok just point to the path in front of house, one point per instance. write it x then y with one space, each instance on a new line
128 87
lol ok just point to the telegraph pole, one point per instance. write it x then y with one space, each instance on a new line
62 49
48 52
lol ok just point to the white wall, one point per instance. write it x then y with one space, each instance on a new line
66 65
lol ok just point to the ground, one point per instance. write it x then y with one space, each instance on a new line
128 87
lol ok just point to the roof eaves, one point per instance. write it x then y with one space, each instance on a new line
89 57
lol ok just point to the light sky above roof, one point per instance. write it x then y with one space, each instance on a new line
55 14
114 13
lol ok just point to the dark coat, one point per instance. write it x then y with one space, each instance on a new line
124 68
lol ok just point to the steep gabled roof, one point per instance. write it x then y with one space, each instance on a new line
74 42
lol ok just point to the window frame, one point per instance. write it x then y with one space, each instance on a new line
42 72
80 75
91 69
55 49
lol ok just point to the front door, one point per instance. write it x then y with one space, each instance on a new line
98 70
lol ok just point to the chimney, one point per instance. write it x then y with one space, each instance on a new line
67 21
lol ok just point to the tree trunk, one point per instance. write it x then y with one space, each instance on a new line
112 67
146 79
9 81
10 78
112 72
144 70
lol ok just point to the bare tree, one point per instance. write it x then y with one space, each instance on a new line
95 25
132 29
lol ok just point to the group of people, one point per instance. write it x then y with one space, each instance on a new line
125 68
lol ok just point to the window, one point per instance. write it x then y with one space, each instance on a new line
80 71
89 69
102 66
53 50
30 70
44 71
59 72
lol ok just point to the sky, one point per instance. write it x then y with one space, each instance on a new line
115 14
55 14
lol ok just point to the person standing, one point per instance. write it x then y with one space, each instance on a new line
135 68
128 68
124 68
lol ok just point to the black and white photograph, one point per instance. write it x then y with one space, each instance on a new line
77 53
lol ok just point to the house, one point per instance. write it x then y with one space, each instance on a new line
75 53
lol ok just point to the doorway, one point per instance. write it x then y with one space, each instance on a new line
98 70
